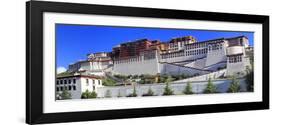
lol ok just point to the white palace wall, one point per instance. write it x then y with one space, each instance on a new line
89 66
238 67
200 63
158 89
216 56
194 59
167 68
85 66
150 66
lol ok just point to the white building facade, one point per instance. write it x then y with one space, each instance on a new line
95 64
77 84
193 58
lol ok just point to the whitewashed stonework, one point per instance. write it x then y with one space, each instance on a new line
94 63
77 84
193 59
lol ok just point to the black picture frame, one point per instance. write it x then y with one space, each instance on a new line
34 61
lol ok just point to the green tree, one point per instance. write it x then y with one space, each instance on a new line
134 94
93 94
168 90
169 79
107 94
87 94
211 88
234 86
149 92
65 95
188 89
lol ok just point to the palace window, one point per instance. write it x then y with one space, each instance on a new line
58 89
69 88
61 81
65 82
58 82
239 58
74 87
74 81
61 88
235 59
69 81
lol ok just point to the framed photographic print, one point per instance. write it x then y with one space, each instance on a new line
95 62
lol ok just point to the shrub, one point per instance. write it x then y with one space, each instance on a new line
65 95
134 94
234 86
168 90
211 88
188 89
93 95
169 79
149 92
146 79
87 94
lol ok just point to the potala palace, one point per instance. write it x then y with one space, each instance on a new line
179 56
184 55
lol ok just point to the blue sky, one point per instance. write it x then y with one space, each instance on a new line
74 42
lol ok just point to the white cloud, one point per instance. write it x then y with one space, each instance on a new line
60 69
